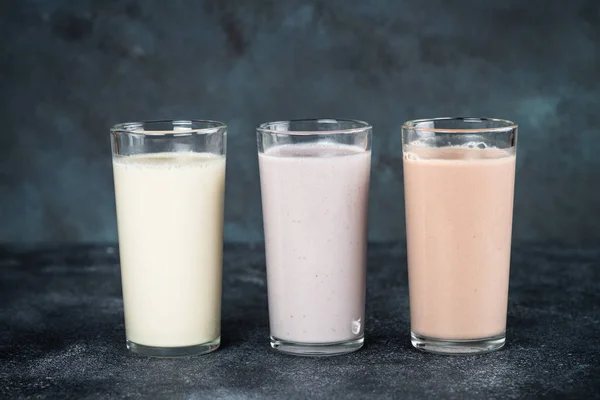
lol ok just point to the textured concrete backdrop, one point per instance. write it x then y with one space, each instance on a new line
70 69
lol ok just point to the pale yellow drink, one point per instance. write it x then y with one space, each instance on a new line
170 223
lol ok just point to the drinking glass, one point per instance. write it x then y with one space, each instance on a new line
169 187
459 176
314 178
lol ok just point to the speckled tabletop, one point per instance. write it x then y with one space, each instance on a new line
62 335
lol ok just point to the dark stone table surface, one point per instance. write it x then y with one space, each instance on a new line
62 335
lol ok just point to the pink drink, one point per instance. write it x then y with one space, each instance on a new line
315 219
459 204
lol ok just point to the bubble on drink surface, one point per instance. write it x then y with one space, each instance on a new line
411 156
475 145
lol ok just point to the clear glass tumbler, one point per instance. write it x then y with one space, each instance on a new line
169 187
314 178
459 176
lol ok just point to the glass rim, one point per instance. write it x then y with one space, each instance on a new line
362 126
504 125
137 127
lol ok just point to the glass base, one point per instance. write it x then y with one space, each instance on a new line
185 351
457 347
317 349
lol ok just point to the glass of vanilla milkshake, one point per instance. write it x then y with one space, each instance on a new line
169 187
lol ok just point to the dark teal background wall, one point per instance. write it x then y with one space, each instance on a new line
70 69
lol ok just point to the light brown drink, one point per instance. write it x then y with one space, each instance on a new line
459 204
